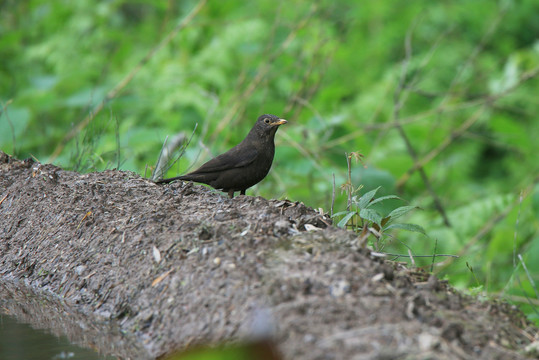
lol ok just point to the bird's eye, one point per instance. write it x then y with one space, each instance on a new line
266 120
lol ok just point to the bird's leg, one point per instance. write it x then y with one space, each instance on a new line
242 192
231 194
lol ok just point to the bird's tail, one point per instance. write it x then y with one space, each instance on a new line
166 181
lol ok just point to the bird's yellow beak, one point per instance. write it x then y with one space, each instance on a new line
280 122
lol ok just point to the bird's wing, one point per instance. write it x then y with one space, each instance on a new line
234 158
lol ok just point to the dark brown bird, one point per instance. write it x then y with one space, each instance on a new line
243 166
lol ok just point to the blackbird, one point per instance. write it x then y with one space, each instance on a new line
243 166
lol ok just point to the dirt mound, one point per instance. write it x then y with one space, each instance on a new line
180 264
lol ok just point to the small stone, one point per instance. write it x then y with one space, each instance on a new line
156 254
79 270
281 227
309 338
340 288
427 341
309 227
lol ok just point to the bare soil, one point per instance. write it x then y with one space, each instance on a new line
139 270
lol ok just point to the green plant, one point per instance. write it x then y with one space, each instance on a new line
363 218
363 215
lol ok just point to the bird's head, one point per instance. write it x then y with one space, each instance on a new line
268 124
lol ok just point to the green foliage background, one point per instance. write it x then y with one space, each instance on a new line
464 92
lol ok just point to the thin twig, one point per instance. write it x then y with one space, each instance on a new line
532 283
520 198
158 171
118 148
521 299
349 181
530 278
411 256
398 104
420 256
164 161
333 196
434 255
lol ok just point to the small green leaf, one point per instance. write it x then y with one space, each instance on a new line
345 219
371 215
366 199
409 227
340 213
380 199
398 212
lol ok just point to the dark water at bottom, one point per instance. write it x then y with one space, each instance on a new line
41 326
20 341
